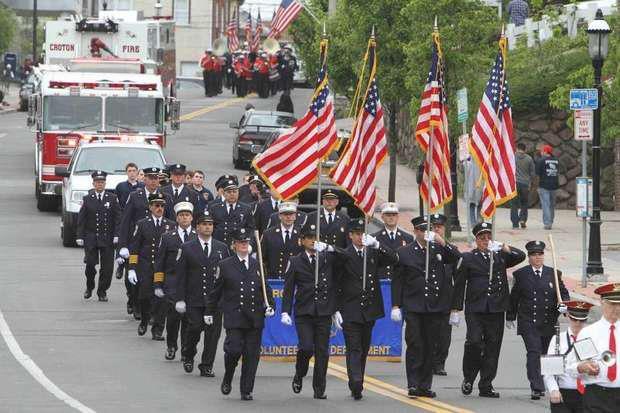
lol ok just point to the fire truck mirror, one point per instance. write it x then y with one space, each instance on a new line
32 110
61 171
175 113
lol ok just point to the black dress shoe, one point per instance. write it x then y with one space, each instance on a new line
297 384
490 393
321 396
136 315
142 329
87 294
225 387
411 393
205 372
466 388
440 371
170 353
421 392
357 395
246 396
103 297
129 309
537 394
188 366
158 337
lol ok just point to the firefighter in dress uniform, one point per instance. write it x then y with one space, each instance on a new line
262 212
251 192
314 301
165 279
280 244
424 298
333 222
300 217
220 183
98 227
534 304
143 250
391 235
178 191
231 214
486 301
196 267
566 392
239 295
359 307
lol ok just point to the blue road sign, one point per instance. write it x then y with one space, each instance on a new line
583 99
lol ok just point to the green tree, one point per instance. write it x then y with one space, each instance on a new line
8 26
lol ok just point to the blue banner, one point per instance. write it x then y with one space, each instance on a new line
280 341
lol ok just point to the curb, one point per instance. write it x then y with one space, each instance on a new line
7 111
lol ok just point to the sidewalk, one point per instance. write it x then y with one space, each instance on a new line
10 103
567 230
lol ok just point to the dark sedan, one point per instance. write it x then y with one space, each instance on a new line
253 130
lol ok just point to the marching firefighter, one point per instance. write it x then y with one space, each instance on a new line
333 222
281 243
391 235
98 227
230 215
177 190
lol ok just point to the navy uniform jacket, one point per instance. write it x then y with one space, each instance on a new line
187 194
300 220
239 293
137 208
226 225
336 233
401 238
144 247
165 262
196 272
353 303
472 281
123 189
261 213
311 300
533 300
411 290
246 196
98 222
204 198
276 253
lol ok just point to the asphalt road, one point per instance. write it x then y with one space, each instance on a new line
91 351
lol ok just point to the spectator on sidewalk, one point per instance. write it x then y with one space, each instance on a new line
8 76
547 169
518 10
472 192
525 173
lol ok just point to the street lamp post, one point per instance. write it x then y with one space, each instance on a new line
598 47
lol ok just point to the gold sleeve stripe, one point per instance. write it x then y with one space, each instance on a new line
133 259
158 277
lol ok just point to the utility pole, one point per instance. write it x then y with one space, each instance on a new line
34 33
331 7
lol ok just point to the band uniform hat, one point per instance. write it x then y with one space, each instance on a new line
287 208
481 228
389 208
242 234
420 222
308 230
184 207
356 225
535 247
609 292
578 310
221 181
157 197
252 179
177 168
438 219
329 193
152 171
204 217
99 175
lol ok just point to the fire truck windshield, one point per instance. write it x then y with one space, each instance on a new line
134 113
71 112
114 158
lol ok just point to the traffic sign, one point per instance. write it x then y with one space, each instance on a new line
583 99
461 104
584 125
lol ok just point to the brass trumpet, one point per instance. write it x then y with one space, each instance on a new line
606 358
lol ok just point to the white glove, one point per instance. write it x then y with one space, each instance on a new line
370 241
159 293
286 319
115 240
337 320
132 277
455 319
320 246
510 325
208 320
269 312
124 252
495 246
562 309
250 249
120 261
180 307
429 236
79 242
397 315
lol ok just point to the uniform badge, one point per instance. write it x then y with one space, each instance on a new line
216 274
187 198
179 253
551 285
167 227
341 229
439 257
205 195
107 205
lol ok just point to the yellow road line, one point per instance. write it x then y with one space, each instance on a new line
199 112
396 393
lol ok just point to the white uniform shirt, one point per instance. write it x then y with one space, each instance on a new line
562 381
599 333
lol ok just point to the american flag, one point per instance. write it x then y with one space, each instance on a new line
285 14
257 34
290 164
492 143
248 30
357 167
231 33
432 130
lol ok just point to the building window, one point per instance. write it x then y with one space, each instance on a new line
120 4
190 69
181 11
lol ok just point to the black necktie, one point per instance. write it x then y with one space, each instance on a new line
287 236
157 223
184 235
392 235
230 209
176 193
313 260
244 266
330 219
277 204
99 196
360 253
206 249
537 273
